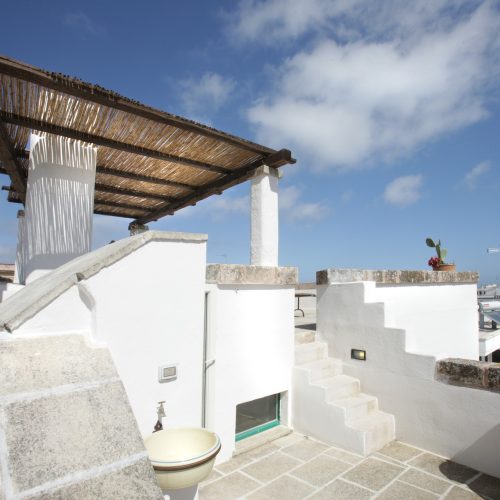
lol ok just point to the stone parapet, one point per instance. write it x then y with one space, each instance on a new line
236 274
395 277
469 373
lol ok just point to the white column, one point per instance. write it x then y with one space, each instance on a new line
20 267
264 217
59 202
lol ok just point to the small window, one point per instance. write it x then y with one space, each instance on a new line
257 416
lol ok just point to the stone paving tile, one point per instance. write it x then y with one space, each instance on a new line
398 490
233 464
344 455
385 458
211 477
232 486
320 470
260 452
271 467
425 481
288 440
457 493
373 474
443 468
486 485
399 451
305 449
285 487
342 490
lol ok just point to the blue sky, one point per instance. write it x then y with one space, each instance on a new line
391 109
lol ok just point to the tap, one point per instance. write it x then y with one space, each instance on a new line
160 411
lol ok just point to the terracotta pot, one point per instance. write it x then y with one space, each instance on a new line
451 268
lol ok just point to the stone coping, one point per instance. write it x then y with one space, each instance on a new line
394 277
237 274
469 373
25 303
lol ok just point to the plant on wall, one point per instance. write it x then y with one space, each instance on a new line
438 263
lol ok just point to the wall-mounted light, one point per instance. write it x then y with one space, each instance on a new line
358 354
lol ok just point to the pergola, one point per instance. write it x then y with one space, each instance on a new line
149 163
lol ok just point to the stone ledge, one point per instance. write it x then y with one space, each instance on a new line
469 373
236 274
394 277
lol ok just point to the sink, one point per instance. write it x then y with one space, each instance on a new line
182 457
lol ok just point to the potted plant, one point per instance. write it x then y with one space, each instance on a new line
438 263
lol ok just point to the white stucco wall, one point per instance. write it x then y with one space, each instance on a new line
59 204
150 312
251 339
457 422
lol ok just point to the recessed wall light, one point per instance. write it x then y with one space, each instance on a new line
358 354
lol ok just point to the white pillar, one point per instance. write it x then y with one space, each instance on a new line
20 267
59 202
264 217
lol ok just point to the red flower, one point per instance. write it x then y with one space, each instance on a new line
434 262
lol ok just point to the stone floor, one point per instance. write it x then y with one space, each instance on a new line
295 467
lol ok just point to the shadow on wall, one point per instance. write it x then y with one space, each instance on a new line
484 452
59 204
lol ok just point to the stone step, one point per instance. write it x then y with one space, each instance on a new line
378 427
357 406
323 368
305 353
338 386
304 336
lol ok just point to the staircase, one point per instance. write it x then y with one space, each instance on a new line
329 406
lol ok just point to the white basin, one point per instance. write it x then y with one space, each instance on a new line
182 457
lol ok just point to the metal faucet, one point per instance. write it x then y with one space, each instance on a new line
161 413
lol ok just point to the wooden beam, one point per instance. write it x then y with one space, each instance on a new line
104 188
117 204
276 159
10 163
143 178
50 128
99 95
113 214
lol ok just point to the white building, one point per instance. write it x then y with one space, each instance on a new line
92 341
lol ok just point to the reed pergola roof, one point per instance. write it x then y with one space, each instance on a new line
149 163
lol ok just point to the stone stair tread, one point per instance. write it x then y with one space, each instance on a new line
310 346
354 400
321 362
335 380
371 421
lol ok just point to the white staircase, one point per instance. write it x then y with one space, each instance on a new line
329 406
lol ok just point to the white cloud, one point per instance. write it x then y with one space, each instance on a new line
471 177
295 210
83 24
268 21
403 191
208 93
350 103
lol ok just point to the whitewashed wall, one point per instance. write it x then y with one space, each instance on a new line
148 309
457 422
251 339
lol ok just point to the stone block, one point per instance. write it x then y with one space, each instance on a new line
33 364
135 482
462 372
493 376
236 274
51 437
